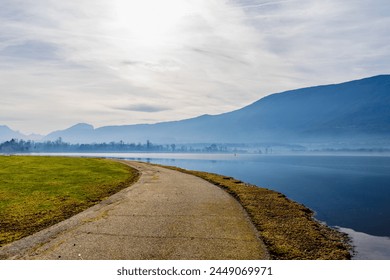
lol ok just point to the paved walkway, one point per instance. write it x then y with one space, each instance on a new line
165 215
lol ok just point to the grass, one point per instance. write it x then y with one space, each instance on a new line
37 192
287 228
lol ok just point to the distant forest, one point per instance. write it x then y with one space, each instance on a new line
22 146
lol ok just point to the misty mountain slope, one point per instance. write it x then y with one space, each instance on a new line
7 134
351 111
358 107
79 133
190 130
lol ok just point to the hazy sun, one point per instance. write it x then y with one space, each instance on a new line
147 22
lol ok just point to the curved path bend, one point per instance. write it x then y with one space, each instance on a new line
165 215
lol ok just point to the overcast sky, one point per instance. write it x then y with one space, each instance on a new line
113 62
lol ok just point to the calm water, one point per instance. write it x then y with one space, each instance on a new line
351 192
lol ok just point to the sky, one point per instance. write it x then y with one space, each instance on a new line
115 62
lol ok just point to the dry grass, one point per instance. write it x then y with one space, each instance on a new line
287 228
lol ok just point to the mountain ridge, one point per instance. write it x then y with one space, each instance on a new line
7 133
351 112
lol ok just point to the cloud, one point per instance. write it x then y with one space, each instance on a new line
327 41
65 62
147 108
30 50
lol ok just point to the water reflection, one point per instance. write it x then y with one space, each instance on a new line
369 247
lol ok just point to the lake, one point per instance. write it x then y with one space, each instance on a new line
349 192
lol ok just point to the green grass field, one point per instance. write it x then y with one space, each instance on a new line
36 192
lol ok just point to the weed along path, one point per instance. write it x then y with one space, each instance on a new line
165 215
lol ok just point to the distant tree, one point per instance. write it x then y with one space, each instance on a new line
148 145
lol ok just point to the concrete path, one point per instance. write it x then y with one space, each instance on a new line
165 215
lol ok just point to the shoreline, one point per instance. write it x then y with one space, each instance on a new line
289 229
366 246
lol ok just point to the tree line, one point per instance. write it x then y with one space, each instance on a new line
23 146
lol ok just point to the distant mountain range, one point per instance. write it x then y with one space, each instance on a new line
7 134
351 113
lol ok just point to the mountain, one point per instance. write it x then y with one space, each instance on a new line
356 112
7 134
79 133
